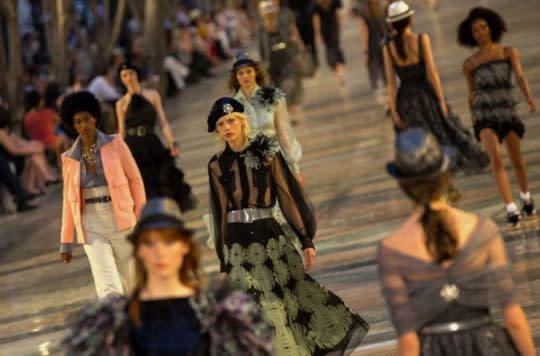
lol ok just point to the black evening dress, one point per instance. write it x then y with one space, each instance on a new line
306 318
417 105
160 175
494 106
422 294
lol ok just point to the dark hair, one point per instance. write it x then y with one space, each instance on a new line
494 21
261 78
400 27
128 66
81 101
51 94
441 241
31 100
5 117
189 273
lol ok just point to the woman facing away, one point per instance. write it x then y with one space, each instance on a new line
169 312
102 197
489 77
420 101
138 111
444 268
246 179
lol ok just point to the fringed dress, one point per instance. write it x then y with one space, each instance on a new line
494 106
306 318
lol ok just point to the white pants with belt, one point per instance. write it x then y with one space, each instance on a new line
108 250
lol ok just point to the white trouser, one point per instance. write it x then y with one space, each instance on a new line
108 250
177 70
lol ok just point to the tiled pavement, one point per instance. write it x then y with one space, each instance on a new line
346 141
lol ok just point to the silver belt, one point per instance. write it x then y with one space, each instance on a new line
248 215
137 131
455 326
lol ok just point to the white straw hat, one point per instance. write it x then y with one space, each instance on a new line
399 10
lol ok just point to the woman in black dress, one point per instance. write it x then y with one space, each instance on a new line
137 112
169 313
444 268
327 27
246 179
489 76
420 101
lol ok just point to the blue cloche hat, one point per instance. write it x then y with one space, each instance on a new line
242 59
222 106
160 213
418 156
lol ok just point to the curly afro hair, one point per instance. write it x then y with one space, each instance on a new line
494 21
81 101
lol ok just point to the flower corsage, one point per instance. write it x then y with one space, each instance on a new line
260 150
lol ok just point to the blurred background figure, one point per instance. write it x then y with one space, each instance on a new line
327 23
281 49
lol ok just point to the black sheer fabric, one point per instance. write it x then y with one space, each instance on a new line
233 186
415 289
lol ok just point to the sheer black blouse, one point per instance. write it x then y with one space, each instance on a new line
235 186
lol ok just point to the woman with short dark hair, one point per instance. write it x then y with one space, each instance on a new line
489 77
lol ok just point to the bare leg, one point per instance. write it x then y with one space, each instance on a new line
516 157
340 74
38 159
491 144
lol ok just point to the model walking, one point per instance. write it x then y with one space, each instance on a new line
373 28
137 112
420 101
444 268
169 313
489 77
246 179
327 26
103 195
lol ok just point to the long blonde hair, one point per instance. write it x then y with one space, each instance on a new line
246 130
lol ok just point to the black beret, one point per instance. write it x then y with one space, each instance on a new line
222 106
80 101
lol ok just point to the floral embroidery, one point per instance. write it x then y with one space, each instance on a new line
260 149
449 292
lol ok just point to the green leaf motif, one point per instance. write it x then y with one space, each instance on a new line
274 310
262 279
274 250
237 255
239 278
256 254
330 325
311 296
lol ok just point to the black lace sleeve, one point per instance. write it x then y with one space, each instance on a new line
294 202
218 211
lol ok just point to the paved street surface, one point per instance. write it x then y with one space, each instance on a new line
347 141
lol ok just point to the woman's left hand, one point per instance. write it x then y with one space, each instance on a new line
532 105
175 151
309 258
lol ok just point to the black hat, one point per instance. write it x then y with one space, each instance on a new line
222 106
160 213
418 156
80 101
243 60
127 65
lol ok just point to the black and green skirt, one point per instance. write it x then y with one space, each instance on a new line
306 318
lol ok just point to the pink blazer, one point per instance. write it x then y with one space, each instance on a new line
125 186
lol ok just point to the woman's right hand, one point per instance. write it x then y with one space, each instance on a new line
66 257
398 122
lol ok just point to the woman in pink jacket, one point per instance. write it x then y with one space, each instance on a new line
103 195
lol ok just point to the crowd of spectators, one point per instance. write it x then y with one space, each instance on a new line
30 146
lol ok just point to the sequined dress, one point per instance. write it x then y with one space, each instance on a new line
493 105
417 105
306 318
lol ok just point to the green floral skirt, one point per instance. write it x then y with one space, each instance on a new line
306 318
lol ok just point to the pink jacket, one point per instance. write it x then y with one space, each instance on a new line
123 179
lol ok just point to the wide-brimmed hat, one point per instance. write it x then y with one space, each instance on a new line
418 156
160 213
242 59
222 106
399 10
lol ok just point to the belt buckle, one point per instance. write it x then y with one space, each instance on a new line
247 216
141 130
